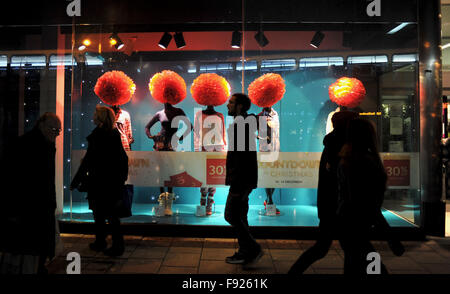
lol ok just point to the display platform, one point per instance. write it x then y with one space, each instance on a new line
184 214
294 222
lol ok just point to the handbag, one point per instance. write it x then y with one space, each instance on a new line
125 203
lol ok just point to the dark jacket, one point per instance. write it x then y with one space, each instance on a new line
242 166
327 189
28 198
362 183
104 170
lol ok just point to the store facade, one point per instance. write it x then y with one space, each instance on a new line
391 48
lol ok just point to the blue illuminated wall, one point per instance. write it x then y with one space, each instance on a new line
303 112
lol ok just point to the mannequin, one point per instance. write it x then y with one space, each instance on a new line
205 121
169 88
123 123
209 126
265 92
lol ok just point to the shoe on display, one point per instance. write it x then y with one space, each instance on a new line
209 207
169 200
97 246
237 258
162 199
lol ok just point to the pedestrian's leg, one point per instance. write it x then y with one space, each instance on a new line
42 270
246 240
100 231
118 245
318 251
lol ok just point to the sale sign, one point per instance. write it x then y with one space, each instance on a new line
290 170
215 171
398 172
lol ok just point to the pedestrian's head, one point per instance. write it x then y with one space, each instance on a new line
362 135
104 117
238 104
50 126
341 118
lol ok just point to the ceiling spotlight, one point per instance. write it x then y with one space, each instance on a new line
317 39
236 39
165 40
179 40
86 43
261 39
115 41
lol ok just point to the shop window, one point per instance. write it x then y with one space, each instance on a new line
278 65
216 67
192 68
29 61
320 61
65 60
3 61
367 59
93 60
404 58
250 65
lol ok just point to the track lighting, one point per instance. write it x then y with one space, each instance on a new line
115 41
165 40
261 39
317 39
236 39
179 40
86 43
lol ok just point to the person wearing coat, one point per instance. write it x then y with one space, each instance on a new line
103 172
28 199
361 186
242 177
327 192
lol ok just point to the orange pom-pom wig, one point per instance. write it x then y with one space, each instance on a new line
210 89
348 92
114 88
266 90
168 87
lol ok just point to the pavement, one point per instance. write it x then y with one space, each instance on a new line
174 255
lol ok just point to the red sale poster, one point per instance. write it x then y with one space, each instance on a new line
398 172
215 171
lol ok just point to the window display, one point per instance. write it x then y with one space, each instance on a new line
170 100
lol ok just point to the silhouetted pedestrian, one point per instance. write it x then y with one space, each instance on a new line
104 170
28 199
361 186
327 192
242 177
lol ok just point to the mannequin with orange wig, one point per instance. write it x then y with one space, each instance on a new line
169 88
209 125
